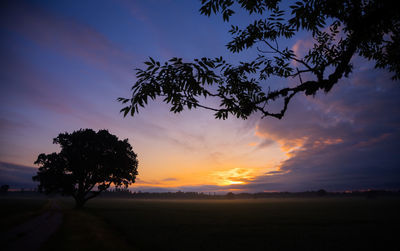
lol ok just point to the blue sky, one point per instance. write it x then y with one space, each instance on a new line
64 63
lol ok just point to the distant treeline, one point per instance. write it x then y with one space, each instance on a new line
200 195
126 193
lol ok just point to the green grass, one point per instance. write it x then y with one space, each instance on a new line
15 210
268 224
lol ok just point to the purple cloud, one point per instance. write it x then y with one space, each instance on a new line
66 36
17 176
347 139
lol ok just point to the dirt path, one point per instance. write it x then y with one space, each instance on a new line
33 233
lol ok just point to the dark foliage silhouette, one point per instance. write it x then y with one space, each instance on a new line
87 159
321 192
4 188
341 29
230 195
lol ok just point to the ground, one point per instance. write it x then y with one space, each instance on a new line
254 224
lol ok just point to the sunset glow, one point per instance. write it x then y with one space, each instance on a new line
234 176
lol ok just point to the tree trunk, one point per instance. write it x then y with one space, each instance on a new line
81 199
79 202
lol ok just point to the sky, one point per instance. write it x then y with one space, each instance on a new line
64 64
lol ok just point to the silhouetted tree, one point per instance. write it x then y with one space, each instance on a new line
321 192
87 159
230 195
341 29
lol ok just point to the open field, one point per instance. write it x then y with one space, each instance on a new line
273 224
17 209
258 224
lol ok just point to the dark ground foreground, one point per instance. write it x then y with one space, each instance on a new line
34 232
253 224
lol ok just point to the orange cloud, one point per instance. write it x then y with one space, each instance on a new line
235 176
375 140
287 145
301 47
325 142
252 144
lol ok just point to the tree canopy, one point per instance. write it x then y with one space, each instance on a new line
341 29
87 160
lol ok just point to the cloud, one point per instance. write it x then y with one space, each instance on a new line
65 35
233 176
301 47
142 182
265 143
29 89
135 10
17 176
347 139
170 179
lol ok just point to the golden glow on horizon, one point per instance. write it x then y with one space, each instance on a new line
222 157
235 176
232 182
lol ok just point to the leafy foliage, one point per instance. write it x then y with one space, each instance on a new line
87 159
340 29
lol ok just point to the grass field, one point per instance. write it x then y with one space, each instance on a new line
268 224
261 224
16 210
